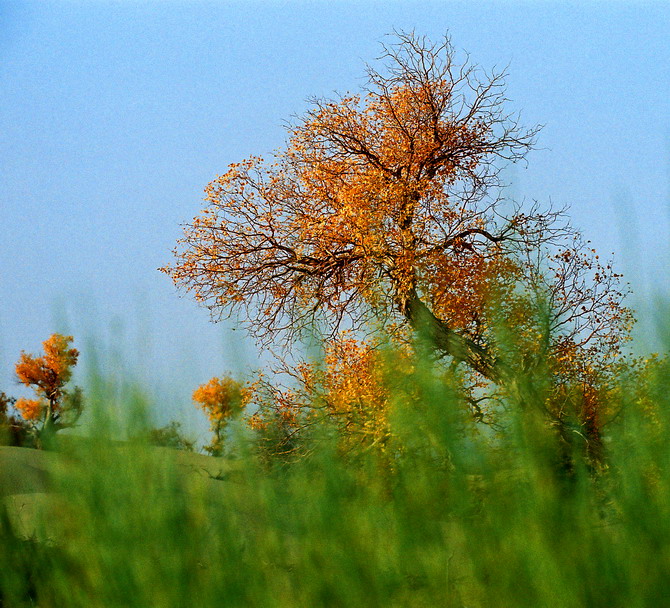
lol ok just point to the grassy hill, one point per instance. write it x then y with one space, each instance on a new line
36 486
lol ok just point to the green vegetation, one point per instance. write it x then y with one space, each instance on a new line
171 436
476 432
447 514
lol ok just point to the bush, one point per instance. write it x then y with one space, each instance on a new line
170 436
13 430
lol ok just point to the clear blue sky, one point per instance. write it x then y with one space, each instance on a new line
115 115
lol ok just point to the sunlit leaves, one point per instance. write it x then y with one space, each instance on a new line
30 409
47 375
221 399
371 195
384 209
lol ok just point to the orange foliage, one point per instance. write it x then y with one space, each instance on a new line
221 399
384 208
46 375
352 386
30 409
279 413
355 390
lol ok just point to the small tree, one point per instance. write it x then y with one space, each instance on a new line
13 430
221 399
55 407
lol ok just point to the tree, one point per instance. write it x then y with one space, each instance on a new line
171 436
384 208
221 399
13 430
55 407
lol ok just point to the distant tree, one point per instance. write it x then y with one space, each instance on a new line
384 208
6 403
13 430
55 407
221 399
171 436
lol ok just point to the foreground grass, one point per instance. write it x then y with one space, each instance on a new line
452 519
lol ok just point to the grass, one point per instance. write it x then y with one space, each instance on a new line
453 519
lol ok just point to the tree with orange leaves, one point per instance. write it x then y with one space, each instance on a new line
56 407
221 399
384 208
13 430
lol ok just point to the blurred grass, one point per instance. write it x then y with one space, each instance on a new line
454 518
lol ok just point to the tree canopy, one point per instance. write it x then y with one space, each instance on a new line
55 407
385 206
221 399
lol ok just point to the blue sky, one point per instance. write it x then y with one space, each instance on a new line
115 115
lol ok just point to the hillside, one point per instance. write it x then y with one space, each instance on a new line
35 483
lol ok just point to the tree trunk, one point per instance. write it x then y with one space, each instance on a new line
450 342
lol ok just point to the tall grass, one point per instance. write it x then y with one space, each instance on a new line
454 518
